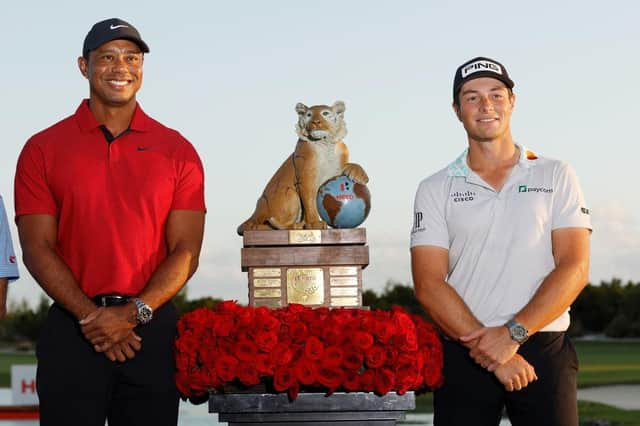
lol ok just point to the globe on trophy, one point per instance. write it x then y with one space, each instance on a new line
343 203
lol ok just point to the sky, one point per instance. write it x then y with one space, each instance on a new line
228 74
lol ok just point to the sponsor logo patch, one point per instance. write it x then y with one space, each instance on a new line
462 197
585 210
12 259
417 222
481 66
525 188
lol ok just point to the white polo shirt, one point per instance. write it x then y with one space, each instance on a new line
8 262
499 242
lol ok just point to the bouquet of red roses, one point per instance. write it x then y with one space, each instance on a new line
313 348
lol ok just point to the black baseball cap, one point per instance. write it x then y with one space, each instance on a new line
111 29
480 67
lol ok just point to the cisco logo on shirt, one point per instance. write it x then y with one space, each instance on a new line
462 197
525 188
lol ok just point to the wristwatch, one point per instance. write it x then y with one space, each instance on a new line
145 313
517 331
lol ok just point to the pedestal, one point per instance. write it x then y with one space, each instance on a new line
310 267
353 408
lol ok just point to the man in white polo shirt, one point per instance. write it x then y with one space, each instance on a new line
8 263
500 250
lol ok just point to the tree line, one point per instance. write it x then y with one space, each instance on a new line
611 308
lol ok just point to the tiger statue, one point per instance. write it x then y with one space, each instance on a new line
289 199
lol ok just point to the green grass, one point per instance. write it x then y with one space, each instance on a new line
607 363
7 359
594 413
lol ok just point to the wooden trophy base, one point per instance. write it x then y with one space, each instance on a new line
310 267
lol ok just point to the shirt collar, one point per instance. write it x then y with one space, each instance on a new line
459 166
87 121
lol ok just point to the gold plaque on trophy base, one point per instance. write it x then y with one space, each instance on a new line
309 267
305 286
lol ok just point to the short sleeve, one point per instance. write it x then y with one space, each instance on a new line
189 192
8 262
32 192
569 207
429 223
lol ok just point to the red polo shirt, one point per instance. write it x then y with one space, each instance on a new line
111 200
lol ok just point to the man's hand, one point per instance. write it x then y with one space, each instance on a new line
516 373
106 327
125 349
494 346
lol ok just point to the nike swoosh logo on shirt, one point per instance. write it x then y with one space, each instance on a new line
115 27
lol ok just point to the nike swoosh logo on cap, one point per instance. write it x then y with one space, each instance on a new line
115 27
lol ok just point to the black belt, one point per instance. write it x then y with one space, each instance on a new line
110 299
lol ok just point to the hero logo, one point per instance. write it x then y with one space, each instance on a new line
461 197
481 66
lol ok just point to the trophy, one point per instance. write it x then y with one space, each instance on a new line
289 251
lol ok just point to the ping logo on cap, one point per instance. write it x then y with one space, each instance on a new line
481 65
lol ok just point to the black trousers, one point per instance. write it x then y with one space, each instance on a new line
78 386
473 396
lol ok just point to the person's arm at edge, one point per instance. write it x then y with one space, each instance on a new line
4 283
556 293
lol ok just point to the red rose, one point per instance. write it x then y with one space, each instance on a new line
246 350
375 356
331 335
384 381
433 376
226 367
314 348
330 377
367 380
223 325
264 364
352 360
248 374
266 341
283 378
362 340
332 357
281 354
305 372
405 378
293 391
230 306
351 381
298 332
383 331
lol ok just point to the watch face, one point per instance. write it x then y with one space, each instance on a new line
145 313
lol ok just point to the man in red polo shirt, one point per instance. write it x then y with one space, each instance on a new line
110 212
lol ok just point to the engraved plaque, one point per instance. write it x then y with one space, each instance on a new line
343 270
344 291
305 286
267 292
266 272
306 236
266 282
345 301
270 303
343 281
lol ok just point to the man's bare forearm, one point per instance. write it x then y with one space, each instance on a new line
57 281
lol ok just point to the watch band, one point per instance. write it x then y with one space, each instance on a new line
144 311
